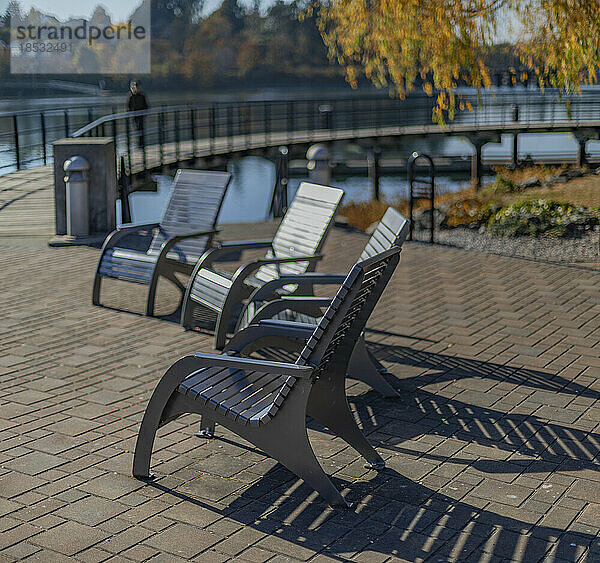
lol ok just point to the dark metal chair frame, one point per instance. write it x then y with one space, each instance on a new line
267 402
294 249
304 312
179 239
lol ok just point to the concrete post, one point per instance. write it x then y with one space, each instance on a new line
582 136
478 141
99 152
476 164
581 154
319 169
373 166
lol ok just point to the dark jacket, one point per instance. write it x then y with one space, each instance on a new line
137 101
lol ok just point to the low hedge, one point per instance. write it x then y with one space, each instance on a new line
539 217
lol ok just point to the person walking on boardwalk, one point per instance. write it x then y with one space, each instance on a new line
137 101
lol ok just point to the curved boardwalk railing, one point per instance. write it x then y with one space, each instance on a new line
179 132
168 135
26 136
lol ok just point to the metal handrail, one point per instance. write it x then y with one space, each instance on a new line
240 125
127 114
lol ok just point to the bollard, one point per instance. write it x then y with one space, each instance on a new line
77 175
319 168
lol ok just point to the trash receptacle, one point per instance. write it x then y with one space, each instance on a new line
77 177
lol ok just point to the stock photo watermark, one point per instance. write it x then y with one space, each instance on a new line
103 43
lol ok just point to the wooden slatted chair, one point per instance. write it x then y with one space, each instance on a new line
293 250
184 233
266 402
307 310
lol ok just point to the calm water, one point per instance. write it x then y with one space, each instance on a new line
250 191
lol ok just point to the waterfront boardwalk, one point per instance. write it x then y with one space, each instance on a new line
492 449
27 202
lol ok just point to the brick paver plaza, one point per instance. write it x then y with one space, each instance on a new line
492 451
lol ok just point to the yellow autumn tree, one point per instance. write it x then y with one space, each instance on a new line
441 44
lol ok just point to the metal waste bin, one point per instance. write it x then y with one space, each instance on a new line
77 179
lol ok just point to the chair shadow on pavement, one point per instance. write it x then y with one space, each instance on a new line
474 509
534 443
445 367
393 516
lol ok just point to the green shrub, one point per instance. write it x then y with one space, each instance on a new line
540 217
504 185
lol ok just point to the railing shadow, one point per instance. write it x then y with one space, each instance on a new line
4 204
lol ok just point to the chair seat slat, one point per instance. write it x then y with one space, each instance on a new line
205 379
234 384
252 384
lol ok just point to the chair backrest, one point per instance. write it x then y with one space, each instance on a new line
344 320
303 229
194 205
333 340
391 231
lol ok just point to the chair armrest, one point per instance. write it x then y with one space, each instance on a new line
303 280
246 244
226 247
247 269
169 244
122 232
236 362
255 332
287 325
301 299
294 303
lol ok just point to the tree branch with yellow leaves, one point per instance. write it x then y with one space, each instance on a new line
441 44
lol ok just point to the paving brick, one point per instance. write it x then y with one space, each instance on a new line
91 510
496 361
125 539
183 540
35 462
69 538
14 484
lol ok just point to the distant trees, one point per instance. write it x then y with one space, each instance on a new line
400 44
236 43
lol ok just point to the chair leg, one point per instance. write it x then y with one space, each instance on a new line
154 413
187 313
207 427
292 448
363 368
96 289
152 293
224 317
333 412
